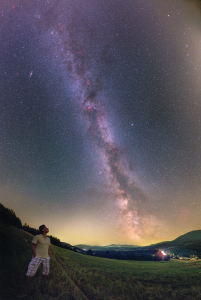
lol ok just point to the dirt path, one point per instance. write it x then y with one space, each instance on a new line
71 281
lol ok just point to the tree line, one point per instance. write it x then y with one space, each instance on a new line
9 217
151 254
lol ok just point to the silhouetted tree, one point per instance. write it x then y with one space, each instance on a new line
55 241
31 230
8 216
89 252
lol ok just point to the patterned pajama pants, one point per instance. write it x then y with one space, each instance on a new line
35 263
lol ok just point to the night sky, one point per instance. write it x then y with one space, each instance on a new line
100 118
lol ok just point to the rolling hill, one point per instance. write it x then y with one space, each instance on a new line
192 236
107 247
76 276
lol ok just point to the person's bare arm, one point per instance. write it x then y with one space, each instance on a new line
33 248
49 251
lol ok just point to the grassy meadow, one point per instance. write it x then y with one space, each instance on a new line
77 276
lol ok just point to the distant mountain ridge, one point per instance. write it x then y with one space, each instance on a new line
186 245
192 236
107 247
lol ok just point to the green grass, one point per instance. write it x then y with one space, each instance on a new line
77 276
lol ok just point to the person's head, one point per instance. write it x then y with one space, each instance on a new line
43 229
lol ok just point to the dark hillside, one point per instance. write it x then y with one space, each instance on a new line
8 216
187 245
75 276
15 255
194 236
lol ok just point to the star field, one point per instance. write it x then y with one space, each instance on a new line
100 118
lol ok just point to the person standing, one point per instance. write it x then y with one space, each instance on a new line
41 253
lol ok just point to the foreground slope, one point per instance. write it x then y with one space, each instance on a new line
77 276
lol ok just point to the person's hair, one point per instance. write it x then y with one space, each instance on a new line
41 227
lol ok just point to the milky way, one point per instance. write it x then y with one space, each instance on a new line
129 196
100 120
